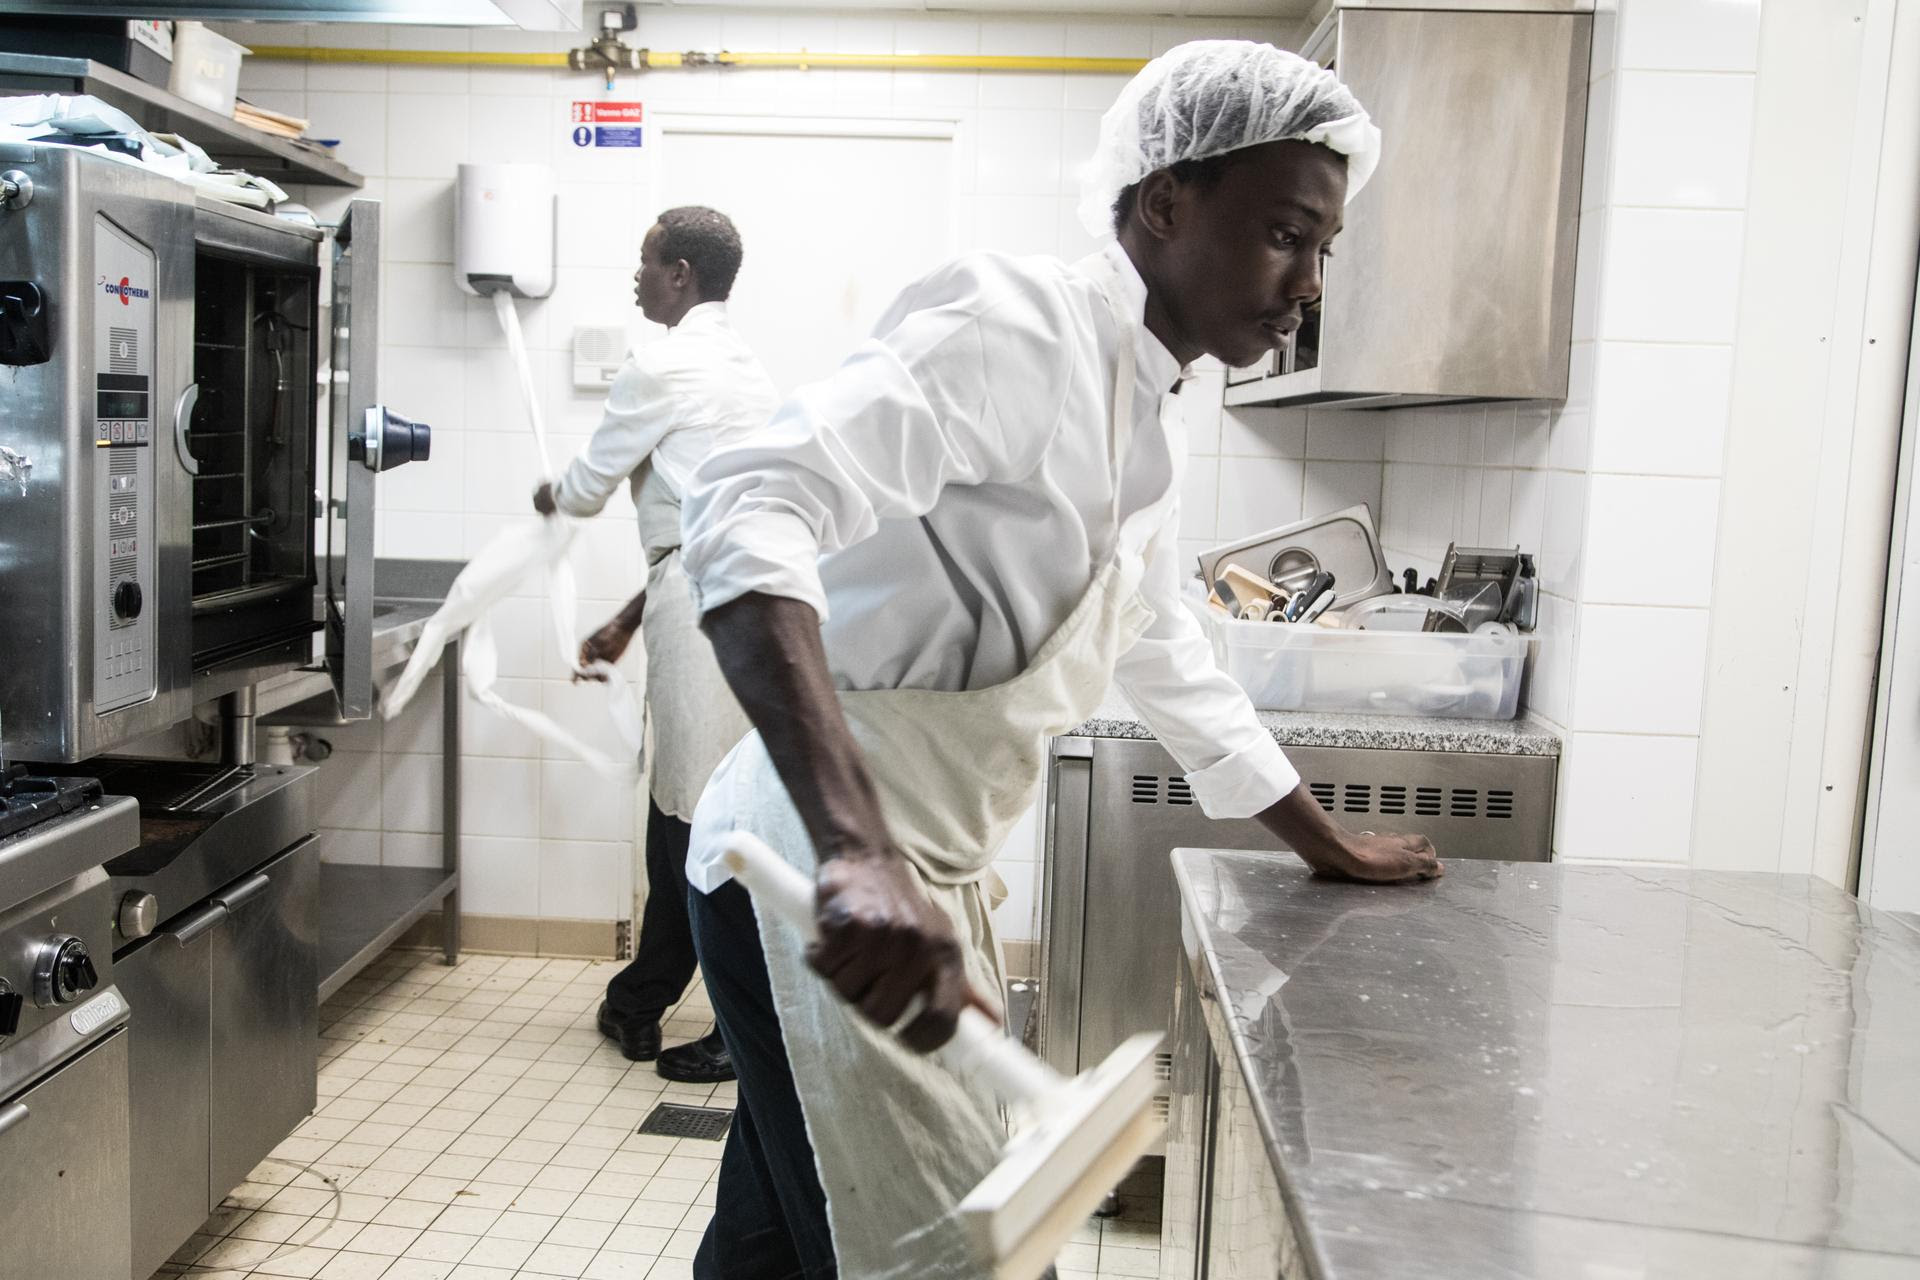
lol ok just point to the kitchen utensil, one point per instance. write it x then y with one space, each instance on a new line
1343 543
1318 607
1251 586
1321 583
1228 601
1466 569
1404 613
1257 611
1084 1134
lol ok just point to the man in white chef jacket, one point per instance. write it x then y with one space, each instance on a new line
672 403
925 566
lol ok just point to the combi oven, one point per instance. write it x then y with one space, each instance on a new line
191 437
192 480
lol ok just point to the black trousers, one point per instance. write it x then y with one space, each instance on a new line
770 1215
663 958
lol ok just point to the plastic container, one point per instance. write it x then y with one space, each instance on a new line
206 67
1289 667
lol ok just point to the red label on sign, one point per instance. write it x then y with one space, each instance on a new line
606 113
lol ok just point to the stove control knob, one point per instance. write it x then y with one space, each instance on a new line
63 972
127 600
138 913
12 1004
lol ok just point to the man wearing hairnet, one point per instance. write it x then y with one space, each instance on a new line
923 568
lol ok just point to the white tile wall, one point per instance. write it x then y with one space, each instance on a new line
1617 488
539 829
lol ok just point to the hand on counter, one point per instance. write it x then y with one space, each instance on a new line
543 498
1333 851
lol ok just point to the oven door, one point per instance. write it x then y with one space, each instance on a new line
364 439
350 486
63 1170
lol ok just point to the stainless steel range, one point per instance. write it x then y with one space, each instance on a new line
63 1041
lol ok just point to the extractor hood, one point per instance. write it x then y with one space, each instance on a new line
532 15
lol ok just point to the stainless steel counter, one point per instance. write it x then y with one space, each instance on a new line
1549 1071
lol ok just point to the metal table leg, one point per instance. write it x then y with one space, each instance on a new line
450 798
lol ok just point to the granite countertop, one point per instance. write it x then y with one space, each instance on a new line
1525 1071
1523 737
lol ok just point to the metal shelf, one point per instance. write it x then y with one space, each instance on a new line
225 139
364 910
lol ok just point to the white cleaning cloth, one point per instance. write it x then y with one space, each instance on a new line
514 556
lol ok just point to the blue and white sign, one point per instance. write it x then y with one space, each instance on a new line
616 135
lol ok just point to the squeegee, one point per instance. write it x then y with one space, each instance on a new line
1078 1135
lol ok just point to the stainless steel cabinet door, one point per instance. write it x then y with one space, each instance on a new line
265 1014
165 983
63 1171
1248 1236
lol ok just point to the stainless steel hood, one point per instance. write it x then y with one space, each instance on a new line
532 15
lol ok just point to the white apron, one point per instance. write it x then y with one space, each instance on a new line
898 1141
696 719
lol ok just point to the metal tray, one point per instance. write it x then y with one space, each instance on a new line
1343 543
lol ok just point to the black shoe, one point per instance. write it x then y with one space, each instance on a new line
702 1061
637 1043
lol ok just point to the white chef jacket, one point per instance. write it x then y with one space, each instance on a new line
944 499
673 400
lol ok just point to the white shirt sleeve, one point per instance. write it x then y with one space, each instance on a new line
640 411
948 391
1197 712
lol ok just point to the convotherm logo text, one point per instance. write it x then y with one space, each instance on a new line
125 290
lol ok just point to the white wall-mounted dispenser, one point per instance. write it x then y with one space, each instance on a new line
503 229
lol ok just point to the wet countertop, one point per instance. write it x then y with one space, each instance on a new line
1523 737
1571 1071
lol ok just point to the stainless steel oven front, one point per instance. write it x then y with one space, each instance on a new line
190 389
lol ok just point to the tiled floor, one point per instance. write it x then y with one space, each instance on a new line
474 1126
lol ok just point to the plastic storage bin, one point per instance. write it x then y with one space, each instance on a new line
206 67
1398 673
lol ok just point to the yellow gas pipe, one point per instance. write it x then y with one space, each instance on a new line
657 60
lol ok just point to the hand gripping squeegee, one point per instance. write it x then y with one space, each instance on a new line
1079 1136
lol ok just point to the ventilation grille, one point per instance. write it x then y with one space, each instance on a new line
1393 800
671 1120
1387 799
1163 1066
1147 790
123 350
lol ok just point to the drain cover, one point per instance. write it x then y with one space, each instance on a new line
671 1120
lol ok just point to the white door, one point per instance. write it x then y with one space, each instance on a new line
1890 851
835 215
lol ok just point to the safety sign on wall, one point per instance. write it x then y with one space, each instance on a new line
606 124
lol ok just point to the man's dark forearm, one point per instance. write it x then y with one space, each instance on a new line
769 649
1298 819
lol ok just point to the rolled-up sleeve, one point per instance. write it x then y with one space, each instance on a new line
1199 715
910 412
640 410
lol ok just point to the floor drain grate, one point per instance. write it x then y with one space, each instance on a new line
672 1120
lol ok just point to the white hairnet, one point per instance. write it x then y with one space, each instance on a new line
1208 97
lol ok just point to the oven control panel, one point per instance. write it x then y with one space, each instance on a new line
123 474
